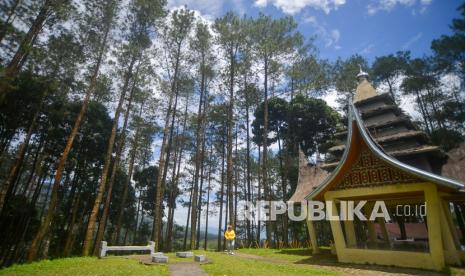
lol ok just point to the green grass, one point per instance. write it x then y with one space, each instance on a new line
277 262
86 266
293 255
222 264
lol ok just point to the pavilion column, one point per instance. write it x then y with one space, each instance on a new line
450 222
336 228
349 228
313 240
433 207
384 231
450 245
371 225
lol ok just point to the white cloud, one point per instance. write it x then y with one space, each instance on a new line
295 6
367 49
330 38
388 5
331 98
261 3
309 19
335 35
209 8
411 41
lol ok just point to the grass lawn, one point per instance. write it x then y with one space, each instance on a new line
288 262
220 264
86 266
293 255
223 264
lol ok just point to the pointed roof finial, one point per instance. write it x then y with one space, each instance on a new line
364 89
362 74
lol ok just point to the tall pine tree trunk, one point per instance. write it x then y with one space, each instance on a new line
236 175
175 178
161 166
14 66
266 188
205 245
88 240
220 238
186 229
119 152
45 226
283 173
35 163
259 191
229 163
164 155
9 20
198 161
72 228
199 202
136 226
7 187
132 159
248 175
161 190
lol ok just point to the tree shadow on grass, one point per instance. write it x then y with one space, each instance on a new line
298 252
325 258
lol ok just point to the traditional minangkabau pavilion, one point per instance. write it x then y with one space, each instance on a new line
386 158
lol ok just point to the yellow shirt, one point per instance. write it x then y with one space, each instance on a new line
230 235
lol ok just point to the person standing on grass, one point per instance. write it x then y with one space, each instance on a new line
230 235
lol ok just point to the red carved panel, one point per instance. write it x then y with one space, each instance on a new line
369 170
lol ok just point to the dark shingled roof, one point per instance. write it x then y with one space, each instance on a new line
356 125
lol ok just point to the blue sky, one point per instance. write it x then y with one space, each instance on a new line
345 27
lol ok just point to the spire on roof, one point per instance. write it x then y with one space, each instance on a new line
362 74
364 89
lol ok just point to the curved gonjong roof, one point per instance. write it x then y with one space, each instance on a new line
355 116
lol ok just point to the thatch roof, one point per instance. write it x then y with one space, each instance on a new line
454 168
309 178
364 91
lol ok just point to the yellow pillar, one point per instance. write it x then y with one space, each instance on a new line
336 228
450 222
313 240
371 225
384 231
433 206
450 248
349 228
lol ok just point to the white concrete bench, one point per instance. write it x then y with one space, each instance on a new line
200 258
159 259
104 248
186 254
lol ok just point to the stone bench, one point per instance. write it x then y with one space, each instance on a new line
186 254
200 258
104 248
159 258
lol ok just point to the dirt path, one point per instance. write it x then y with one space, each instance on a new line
345 269
186 269
176 269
